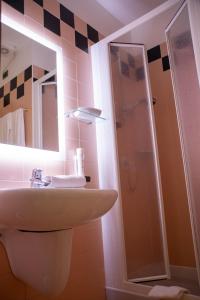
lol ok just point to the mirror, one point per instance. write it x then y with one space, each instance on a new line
28 92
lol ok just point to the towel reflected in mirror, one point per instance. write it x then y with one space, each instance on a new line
12 130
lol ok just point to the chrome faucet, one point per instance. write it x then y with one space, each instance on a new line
37 180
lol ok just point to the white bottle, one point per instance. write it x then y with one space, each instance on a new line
80 161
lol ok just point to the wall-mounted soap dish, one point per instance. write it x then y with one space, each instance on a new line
87 115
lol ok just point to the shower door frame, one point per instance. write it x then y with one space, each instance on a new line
37 130
193 7
156 163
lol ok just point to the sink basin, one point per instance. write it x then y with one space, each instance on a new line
38 223
48 209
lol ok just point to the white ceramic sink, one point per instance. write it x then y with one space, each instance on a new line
36 227
47 209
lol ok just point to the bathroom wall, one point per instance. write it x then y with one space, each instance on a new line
179 234
86 280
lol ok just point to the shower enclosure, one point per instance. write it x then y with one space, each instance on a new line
138 165
134 233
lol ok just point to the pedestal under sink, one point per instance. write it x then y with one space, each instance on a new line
37 226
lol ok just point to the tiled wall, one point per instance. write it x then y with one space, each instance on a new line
179 234
55 22
159 52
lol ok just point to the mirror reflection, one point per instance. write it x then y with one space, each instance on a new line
28 92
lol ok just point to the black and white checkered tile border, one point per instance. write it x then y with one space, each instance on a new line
52 23
155 54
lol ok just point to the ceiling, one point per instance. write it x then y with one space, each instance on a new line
108 16
128 10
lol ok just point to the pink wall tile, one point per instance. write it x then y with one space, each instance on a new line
33 10
163 49
87 131
6 88
84 67
20 78
90 43
85 94
72 128
80 26
67 32
101 36
50 36
68 49
11 288
90 151
70 167
8 184
71 145
52 6
70 68
11 170
71 125
70 88
91 170
57 168
34 26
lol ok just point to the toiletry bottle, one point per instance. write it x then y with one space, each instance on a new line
80 161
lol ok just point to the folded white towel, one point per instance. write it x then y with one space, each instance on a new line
68 181
167 292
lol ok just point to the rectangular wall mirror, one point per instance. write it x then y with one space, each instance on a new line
28 92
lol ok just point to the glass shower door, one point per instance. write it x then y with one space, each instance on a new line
143 217
184 48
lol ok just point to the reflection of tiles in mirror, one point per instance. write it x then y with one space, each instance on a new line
57 19
17 93
14 88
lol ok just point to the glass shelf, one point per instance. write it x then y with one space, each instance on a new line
84 116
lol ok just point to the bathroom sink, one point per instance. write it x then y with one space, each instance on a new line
48 209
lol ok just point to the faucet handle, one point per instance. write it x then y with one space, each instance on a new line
37 174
